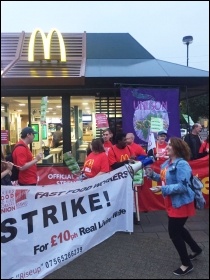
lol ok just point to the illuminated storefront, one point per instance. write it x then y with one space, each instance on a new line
80 74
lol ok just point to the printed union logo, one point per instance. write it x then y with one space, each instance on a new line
46 43
20 195
13 199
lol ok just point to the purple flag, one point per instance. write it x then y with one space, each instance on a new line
140 106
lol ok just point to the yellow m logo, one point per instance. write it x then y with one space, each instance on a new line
46 43
124 157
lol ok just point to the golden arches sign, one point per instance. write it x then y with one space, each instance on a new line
46 43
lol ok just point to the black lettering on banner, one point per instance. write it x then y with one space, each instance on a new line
8 229
98 185
46 194
49 213
64 211
107 198
115 177
64 257
29 217
77 206
53 193
92 202
121 175
51 216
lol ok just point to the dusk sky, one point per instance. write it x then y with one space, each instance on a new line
158 26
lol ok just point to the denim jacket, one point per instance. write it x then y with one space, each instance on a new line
177 182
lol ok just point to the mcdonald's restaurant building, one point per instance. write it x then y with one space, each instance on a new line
77 75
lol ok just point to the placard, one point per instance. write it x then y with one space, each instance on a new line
4 137
101 121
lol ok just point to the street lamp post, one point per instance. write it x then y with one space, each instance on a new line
187 40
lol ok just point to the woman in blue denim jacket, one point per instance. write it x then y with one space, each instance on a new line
175 176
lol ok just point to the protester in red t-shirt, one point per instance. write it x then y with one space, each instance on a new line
96 162
120 154
22 156
159 152
137 148
107 135
204 148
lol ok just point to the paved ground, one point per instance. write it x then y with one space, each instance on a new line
147 253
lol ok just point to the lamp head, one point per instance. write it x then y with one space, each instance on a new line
187 39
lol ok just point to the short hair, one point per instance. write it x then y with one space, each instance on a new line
107 130
120 136
196 125
58 126
130 134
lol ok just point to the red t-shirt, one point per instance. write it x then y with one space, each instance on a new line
138 150
119 155
186 210
204 146
21 156
161 150
95 163
107 146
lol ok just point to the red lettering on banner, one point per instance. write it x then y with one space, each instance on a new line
55 175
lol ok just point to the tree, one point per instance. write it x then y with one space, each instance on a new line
198 107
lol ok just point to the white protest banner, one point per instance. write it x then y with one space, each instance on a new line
46 227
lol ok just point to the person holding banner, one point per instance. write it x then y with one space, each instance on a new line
96 162
6 171
138 177
120 153
23 157
175 176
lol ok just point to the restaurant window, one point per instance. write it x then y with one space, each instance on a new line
82 122
14 117
46 119
111 106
